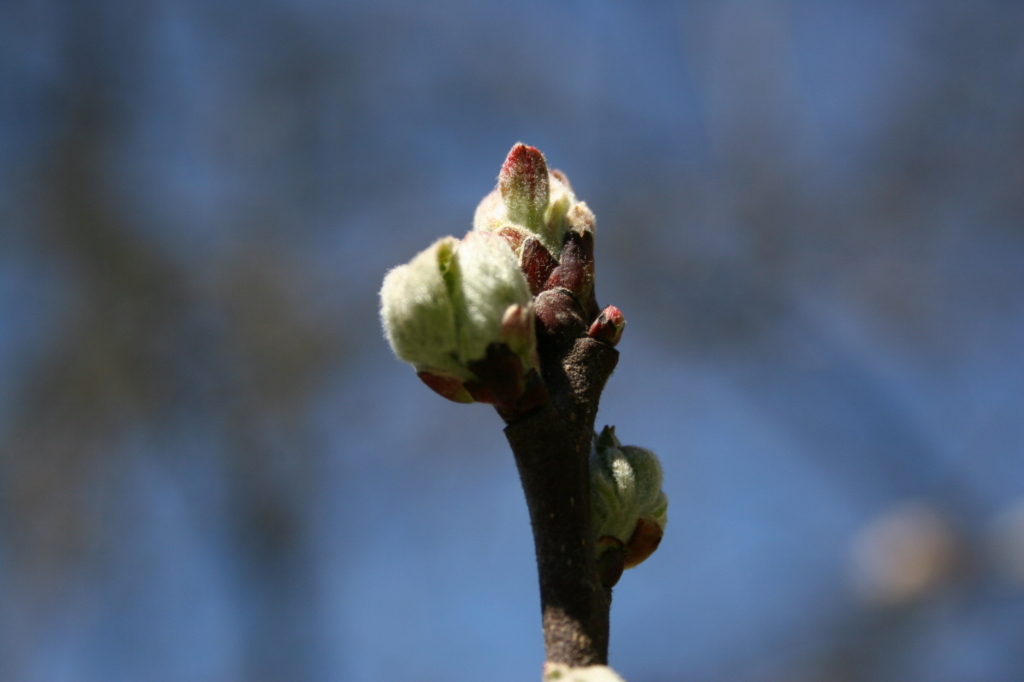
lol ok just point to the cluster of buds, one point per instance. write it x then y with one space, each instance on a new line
628 507
466 313
503 316
552 235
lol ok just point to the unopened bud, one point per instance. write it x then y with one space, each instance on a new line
580 219
627 503
608 326
524 186
575 270
444 309
559 314
489 284
531 200
419 314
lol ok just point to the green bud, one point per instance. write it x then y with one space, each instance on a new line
444 308
559 672
524 185
628 506
492 300
531 200
418 312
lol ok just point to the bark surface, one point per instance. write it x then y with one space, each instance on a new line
552 445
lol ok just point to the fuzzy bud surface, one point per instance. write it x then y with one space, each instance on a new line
628 506
532 201
444 309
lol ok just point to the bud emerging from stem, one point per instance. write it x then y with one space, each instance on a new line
628 506
445 310
532 201
608 326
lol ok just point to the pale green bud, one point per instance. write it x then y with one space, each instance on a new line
627 503
524 184
442 309
488 287
531 200
418 312
559 672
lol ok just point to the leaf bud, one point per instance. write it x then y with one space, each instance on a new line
559 314
418 312
608 326
444 310
525 186
628 506
532 201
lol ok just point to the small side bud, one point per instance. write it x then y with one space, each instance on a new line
561 177
559 314
517 332
513 237
608 326
627 502
580 219
561 200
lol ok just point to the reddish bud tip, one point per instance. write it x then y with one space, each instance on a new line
523 182
608 326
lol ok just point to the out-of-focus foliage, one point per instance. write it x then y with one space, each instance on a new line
211 468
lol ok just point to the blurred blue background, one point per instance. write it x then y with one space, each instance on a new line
212 468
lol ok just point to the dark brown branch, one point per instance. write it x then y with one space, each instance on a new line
552 448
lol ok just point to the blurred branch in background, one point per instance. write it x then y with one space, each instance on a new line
149 355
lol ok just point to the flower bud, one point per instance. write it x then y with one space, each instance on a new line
418 312
559 314
608 326
525 187
492 299
628 506
443 311
581 220
532 201
575 270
